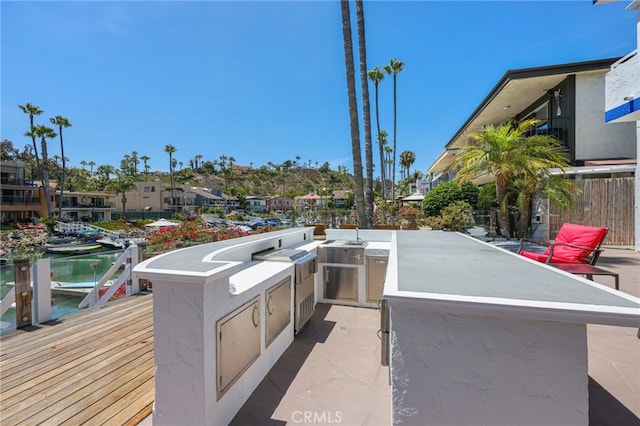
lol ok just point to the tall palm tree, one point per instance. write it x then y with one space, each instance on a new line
506 153
389 162
366 113
394 68
44 132
61 122
376 75
144 159
91 166
83 164
170 149
135 161
407 158
353 114
121 184
32 110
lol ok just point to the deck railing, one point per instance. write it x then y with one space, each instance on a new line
104 289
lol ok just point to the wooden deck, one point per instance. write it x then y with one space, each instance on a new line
93 367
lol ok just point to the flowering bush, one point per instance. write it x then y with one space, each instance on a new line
193 233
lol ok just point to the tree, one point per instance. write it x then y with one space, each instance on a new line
61 122
394 68
91 165
121 184
407 158
32 110
366 113
144 159
170 149
448 193
353 113
376 75
44 132
506 153
135 161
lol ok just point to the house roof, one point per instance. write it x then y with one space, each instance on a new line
516 90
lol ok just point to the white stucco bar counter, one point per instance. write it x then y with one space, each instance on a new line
480 335
211 314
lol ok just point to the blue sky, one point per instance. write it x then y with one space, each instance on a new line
265 81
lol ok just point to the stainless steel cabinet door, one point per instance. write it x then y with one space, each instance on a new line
238 343
278 315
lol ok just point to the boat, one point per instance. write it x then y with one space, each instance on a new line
72 248
113 243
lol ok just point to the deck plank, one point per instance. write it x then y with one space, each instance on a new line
93 367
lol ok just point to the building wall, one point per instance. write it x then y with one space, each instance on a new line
595 140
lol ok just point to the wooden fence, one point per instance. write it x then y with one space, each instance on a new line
604 202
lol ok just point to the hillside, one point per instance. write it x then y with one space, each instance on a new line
265 182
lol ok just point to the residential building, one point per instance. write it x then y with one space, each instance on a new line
568 101
622 102
256 204
150 196
89 206
21 200
279 204
310 202
206 198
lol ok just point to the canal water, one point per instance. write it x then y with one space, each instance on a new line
88 268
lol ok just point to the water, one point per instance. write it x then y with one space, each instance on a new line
66 269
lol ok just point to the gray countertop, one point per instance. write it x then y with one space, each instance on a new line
450 263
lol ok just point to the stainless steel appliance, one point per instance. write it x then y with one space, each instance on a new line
305 269
376 271
341 282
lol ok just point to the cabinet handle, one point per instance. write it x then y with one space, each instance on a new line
255 316
270 305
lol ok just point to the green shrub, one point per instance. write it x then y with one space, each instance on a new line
448 193
457 217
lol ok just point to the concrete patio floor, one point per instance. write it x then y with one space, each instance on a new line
332 375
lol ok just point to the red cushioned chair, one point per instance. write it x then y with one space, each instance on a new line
573 244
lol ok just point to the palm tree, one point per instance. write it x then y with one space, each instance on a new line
135 161
83 164
44 132
61 122
394 68
353 113
121 184
376 75
170 149
389 162
407 158
506 153
91 166
144 159
366 113
32 111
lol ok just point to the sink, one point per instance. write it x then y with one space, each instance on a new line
340 243
355 243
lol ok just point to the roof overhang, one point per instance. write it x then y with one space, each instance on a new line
515 91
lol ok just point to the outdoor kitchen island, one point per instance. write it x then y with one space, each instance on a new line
480 335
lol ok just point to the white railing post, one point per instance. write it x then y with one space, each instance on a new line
133 284
41 279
